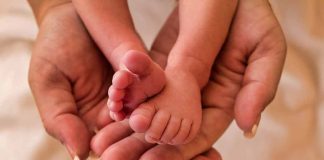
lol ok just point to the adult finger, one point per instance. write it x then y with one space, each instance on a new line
107 136
211 154
129 148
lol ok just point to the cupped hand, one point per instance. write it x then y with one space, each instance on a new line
69 78
71 92
248 69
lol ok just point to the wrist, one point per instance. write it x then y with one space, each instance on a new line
42 7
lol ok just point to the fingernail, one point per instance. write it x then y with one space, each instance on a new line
72 153
122 66
93 156
112 116
96 130
160 142
251 134
76 158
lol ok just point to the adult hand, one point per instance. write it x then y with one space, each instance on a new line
244 80
69 78
249 68
134 146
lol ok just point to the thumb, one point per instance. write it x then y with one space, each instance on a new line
55 102
72 132
259 86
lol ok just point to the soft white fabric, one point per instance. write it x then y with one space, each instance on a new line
292 127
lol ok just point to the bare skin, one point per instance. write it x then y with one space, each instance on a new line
137 77
70 108
213 111
239 72
69 77
174 115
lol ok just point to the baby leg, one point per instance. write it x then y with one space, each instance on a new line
137 76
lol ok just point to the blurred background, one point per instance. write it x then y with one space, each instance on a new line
292 127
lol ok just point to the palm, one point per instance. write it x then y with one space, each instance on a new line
69 78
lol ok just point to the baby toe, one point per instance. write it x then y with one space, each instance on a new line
122 79
116 94
119 116
115 106
158 125
171 130
183 133
141 118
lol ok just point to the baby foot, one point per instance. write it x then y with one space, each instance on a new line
138 79
174 115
